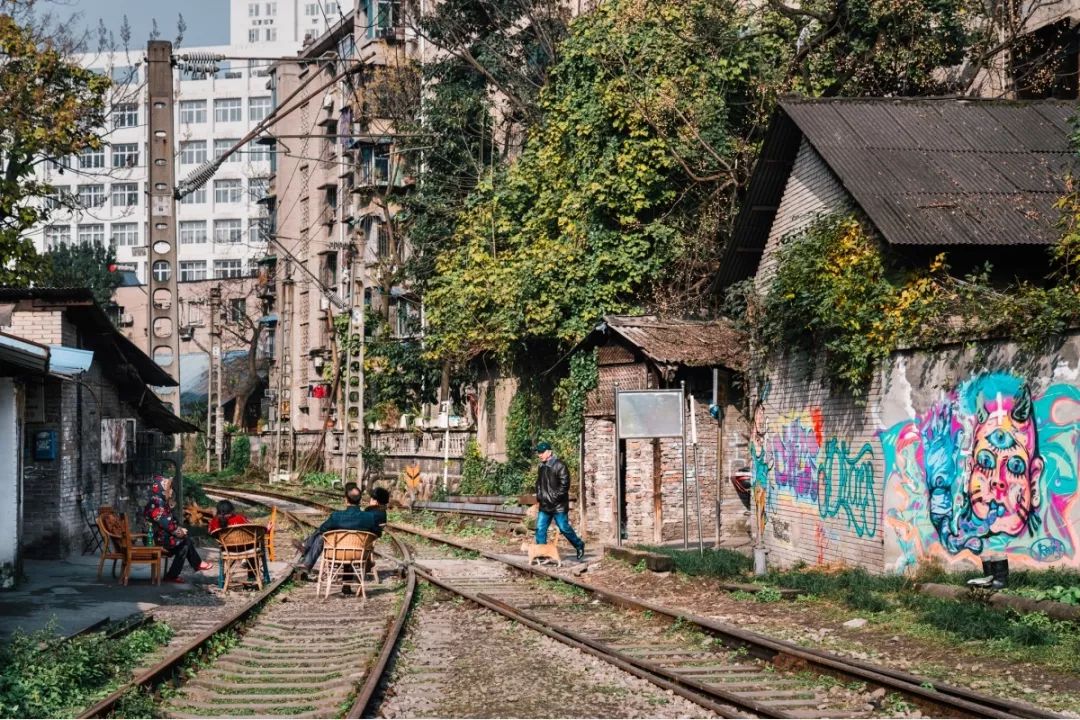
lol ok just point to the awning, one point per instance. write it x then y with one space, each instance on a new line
69 361
23 355
270 319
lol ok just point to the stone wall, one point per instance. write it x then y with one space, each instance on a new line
955 453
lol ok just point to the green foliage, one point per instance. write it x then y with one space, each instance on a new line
82 265
240 454
719 563
768 595
49 108
321 479
398 376
835 298
193 491
483 476
63 679
1058 593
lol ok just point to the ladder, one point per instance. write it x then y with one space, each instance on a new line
284 441
352 420
215 431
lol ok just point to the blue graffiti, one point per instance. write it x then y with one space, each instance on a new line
847 485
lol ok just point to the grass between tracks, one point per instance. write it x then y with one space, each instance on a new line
43 676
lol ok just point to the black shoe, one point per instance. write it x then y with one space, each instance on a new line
581 551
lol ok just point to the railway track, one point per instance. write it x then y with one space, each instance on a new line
727 670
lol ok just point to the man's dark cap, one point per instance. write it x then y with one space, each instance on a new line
542 447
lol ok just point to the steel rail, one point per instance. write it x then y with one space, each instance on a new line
158 671
950 697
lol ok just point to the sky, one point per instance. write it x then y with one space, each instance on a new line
207 20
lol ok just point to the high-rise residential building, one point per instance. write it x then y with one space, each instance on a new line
258 22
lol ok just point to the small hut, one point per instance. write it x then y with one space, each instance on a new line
647 352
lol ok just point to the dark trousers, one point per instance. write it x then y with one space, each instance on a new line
184 550
313 547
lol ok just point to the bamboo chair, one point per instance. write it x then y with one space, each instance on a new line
120 545
345 549
241 547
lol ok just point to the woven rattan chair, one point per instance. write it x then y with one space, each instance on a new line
120 545
344 549
241 547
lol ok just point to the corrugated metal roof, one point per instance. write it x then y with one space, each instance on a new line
688 343
945 171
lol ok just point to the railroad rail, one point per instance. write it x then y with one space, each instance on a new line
750 674
293 654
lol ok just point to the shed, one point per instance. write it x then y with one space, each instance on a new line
645 352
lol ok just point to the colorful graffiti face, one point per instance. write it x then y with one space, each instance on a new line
1005 466
989 468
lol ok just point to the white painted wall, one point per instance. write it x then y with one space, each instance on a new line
10 482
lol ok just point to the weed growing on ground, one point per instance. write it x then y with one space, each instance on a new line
136 703
768 595
567 589
66 676
714 563
743 595
640 567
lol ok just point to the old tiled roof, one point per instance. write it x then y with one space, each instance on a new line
946 171
690 343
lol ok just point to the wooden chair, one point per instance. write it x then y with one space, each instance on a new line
120 545
345 549
242 546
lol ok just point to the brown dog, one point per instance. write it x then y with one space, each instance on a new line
549 549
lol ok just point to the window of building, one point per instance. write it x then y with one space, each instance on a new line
258 188
125 115
125 195
311 9
55 198
90 159
255 231
258 108
257 153
228 191
94 233
195 198
271 34
191 270
228 110
228 269
271 9
253 35
253 9
193 112
193 152
223 146
125 155
375 164
161 270
237 310
57 235
228 231
192 232
125 234
383 16
91 196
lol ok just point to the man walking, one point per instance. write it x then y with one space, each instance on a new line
553 494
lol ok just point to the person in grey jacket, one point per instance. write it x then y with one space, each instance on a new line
553 495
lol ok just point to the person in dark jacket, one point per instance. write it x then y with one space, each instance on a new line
553 495
371 519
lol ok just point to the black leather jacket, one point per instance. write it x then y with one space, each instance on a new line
553 486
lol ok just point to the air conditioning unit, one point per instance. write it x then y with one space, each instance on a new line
127 320
138 251
324 302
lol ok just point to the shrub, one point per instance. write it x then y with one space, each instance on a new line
320 479
714 563
240 456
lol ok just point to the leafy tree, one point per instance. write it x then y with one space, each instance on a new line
86 265
50 108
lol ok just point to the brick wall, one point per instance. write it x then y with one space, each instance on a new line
957 453
45 326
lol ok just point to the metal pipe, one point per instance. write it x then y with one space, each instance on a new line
685 513
617 474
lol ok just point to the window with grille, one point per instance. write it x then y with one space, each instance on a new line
193 112
57 235
192 232
125 155
228 191
90 159
125 115
228 110
125 234
195 198
193 152
191 270
223 146
258 108
228 269
228 231
94 233
91 196
125 194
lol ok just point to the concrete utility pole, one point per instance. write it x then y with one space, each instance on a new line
214 427
352 439
164 324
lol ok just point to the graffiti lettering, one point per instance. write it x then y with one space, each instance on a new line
847 484
795 452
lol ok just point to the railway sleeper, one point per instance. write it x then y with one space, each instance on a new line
297 644
308 679
270 690
298 659
205 710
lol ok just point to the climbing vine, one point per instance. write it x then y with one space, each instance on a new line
835 297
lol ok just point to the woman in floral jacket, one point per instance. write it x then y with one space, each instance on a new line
167 531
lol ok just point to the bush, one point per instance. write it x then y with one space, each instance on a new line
240 456
320 479
193 491
483 476
61 681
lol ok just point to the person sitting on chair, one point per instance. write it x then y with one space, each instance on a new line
370 519
226 516
167 531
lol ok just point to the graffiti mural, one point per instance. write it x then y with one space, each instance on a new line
990 468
